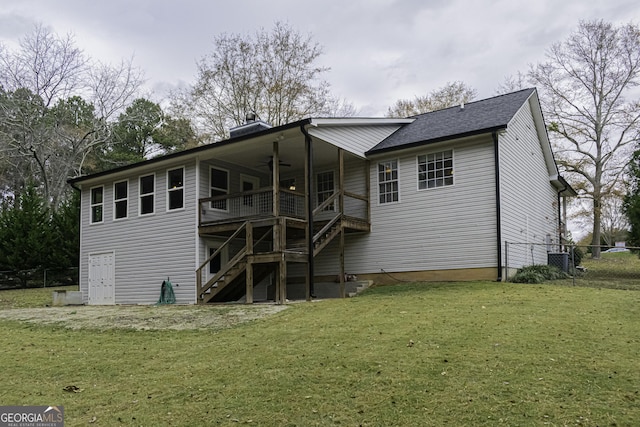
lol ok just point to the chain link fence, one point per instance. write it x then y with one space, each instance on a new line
39 278
614 267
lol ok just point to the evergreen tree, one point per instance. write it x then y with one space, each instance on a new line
65 223
632 201
26 238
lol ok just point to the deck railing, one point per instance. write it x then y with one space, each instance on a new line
259 204
250 204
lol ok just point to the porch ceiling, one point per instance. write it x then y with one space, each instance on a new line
257 152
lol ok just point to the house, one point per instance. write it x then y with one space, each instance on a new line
277 211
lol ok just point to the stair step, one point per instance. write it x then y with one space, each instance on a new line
360 287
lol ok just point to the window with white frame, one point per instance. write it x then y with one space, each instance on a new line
435 170
219 184
175 189
388 181
324 188
147 190
121 200
97 204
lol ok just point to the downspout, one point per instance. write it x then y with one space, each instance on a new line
197 231
309 189
562 225
496 154
79 190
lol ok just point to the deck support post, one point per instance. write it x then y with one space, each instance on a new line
281 280
276 179
249 265
308 177
249 280
342 272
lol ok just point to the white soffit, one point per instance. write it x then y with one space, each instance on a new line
356 136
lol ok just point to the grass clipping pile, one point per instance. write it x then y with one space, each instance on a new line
143 318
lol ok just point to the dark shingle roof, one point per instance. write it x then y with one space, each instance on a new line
476 117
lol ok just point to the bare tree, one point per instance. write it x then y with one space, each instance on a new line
583 85
273 74
452 93
513 83
113 87
614 222
47 64
55 108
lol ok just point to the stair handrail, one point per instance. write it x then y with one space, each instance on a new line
224 270
325 204
215 253
327 227
228 241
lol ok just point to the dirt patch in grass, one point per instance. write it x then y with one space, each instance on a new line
166 317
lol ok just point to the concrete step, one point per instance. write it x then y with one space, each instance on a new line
324 290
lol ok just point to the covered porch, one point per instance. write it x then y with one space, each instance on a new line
287 196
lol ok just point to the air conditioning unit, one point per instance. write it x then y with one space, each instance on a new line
559 259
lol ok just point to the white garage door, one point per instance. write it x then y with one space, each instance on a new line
102 279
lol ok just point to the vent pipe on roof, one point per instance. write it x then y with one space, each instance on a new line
250 117
462 105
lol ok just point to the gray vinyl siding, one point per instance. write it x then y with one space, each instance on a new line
357 140
148 249
436 229
529 201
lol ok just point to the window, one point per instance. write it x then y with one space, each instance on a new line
435 170
120 199
325 188
97 204
388 181
219 183
147 194
175 188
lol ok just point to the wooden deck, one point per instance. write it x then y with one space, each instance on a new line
263 236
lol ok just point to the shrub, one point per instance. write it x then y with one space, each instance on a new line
577 255
538 274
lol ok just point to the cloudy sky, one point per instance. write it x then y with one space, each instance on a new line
378 50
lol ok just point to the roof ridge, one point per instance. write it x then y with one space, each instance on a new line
531 89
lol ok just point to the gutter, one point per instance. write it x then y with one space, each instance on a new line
496 154
191 151
309 190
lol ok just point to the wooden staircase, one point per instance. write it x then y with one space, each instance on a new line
232 286
330 231
285 240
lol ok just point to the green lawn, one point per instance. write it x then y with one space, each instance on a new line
612 270
34 297
467 354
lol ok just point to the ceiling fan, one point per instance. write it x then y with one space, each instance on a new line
269 163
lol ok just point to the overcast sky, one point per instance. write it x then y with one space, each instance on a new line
378 50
